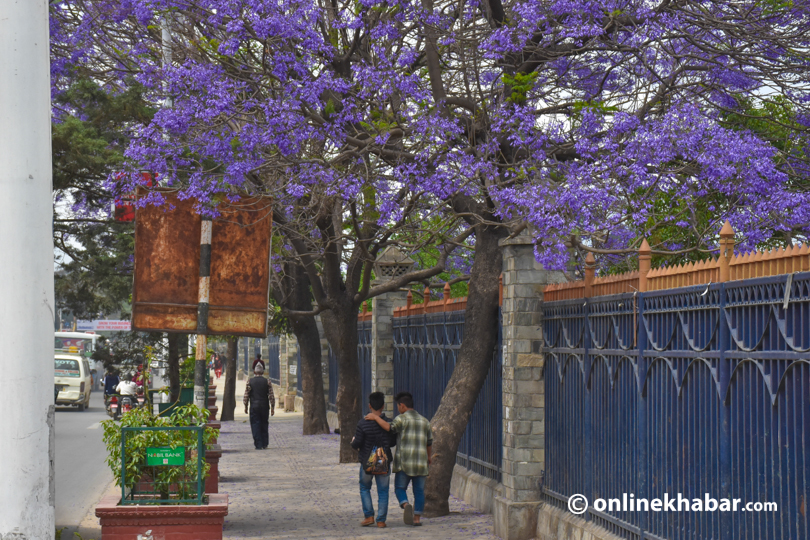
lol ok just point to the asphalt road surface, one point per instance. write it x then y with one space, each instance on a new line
81 471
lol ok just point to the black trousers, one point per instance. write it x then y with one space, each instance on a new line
259 418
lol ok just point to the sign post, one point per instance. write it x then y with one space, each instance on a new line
202 313
195 275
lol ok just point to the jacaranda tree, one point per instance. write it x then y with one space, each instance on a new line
586 121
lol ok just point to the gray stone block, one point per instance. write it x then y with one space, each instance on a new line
529 414
529 333
519 345
519 428
523 319
528 469
528 387
524 373
514 521
528 441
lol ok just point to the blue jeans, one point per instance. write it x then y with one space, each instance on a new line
401 482
382 494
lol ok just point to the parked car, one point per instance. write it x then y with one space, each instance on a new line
72 379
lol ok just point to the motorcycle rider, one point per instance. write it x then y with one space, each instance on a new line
110 383
127 388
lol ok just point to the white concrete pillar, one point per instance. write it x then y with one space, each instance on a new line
26 273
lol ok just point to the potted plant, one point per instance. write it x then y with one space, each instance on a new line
158 462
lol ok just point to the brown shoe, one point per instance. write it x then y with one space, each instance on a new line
368 521
381 524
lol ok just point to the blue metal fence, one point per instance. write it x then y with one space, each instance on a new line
273 360
698 390
425 353
364 361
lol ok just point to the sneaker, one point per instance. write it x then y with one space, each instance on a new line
368 521
381 524
407 516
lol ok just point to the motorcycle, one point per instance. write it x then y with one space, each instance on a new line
118 405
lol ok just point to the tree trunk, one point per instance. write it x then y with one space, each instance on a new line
229 397
340 326
472 367
309 343
173 362
296 295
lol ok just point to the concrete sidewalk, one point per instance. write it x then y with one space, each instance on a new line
297 489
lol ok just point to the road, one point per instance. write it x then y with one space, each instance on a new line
81 471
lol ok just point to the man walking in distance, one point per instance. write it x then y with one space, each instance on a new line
414 454
258 360
259 393
367 438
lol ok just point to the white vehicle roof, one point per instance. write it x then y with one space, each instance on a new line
69 357
76 335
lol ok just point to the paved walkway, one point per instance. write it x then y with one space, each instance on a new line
297 489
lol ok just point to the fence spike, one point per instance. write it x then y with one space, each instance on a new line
644 258
590 272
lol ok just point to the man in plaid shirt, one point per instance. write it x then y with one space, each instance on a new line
414 454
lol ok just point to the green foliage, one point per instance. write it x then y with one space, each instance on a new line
519 85
773 120
168 480
599 106
96 279
58 534
88 139
277 323
128 350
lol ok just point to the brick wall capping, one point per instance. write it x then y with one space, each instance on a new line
365 314
727 266
433 306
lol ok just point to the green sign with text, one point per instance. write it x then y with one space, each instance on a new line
165 456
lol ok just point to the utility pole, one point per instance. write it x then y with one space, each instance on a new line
26 273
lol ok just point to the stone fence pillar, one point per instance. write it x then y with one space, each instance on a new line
382 346
289 375
515 513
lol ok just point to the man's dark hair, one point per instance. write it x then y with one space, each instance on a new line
405 398
376 400
258 355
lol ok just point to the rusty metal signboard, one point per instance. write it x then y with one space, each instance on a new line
167 265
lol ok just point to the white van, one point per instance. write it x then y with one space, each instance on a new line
72 378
